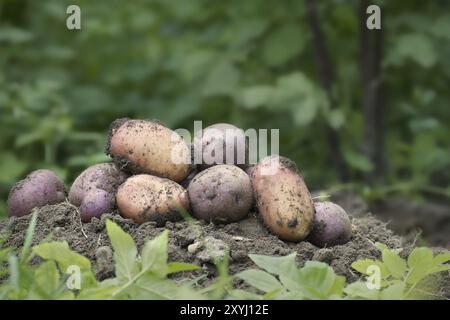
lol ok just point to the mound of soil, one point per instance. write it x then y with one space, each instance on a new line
198 243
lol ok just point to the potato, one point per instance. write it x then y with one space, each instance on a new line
282 198
331 225
95 203
221 194
142 146
149 198
224 138
103 176
185 182
39 188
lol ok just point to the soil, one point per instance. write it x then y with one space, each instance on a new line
201 242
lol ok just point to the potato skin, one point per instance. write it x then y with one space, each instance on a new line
149 198
39 188
143 146
103 176
215 136
221 194
95 203
331 225
282 198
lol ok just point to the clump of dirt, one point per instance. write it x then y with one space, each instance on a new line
198 243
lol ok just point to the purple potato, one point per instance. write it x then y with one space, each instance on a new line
220 137
39 188
331 225
95 203
105 177
221 194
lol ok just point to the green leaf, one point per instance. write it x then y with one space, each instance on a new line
358 160
335 118
174 267
154 254
152 288
276 265
318 280
414 46
47 278
359 289
441 258
222 80
260 280
256 96
29 237
14 35
420 262
244 295
283 44
394 264
363 265
62 254
125 251
393 292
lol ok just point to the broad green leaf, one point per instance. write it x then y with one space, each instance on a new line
62 254
276 265
359 290
420 262
125 252
317 280
154 254
393 292
394 264
335 118
223 79
441 258
363 265
14 35
47 278
97 293
150 287
244 295
260 280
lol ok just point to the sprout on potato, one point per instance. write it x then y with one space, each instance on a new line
39 188
331 225
221 194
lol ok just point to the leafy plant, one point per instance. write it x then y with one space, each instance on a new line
51 270
400 278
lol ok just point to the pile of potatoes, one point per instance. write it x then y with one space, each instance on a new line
152 178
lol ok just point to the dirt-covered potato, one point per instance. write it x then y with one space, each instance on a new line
282 198
95 203
39 188
331 225
103 176
143 146
221 194
214 143
149 198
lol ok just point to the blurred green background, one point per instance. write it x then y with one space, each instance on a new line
354 106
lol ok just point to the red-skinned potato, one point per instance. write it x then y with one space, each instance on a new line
224 138
331 225
282 198
221 194
143 146
39 188
149 198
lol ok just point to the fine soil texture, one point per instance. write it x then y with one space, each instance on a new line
201 242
